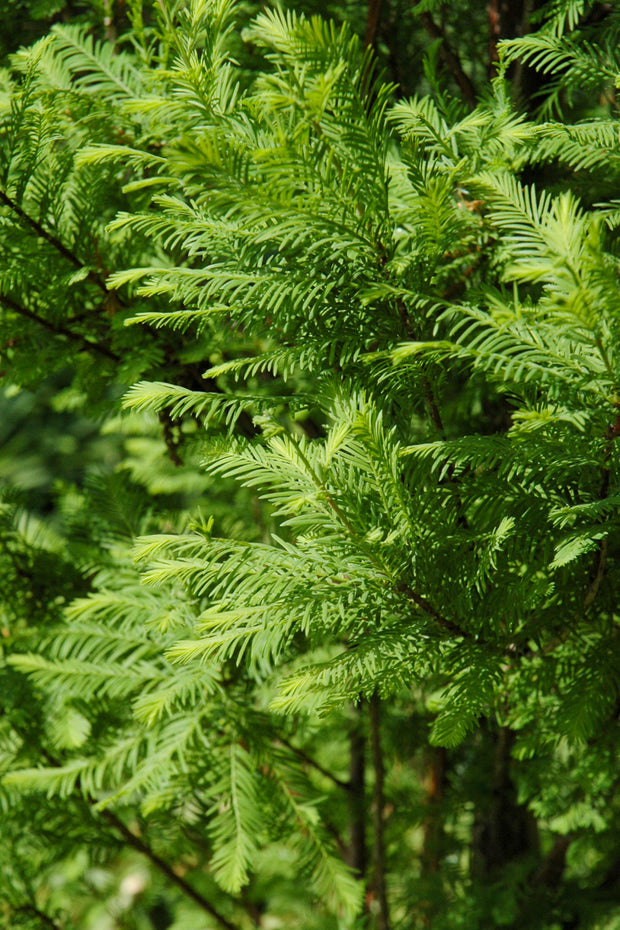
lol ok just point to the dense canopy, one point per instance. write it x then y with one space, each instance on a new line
309 471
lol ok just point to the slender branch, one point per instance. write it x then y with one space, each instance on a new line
600 559
433 826
433 409
57 329
598 573
39 914
417 599
43 233
166 869
173 443
142 846
378 813
345 785
449 625
427 388
450 58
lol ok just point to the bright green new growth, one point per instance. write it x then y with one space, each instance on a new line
388 366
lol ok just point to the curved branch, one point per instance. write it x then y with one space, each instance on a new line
166 869
450 58
62 249
57 329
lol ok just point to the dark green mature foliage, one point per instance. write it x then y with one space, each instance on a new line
323 630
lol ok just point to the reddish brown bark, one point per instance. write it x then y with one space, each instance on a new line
450 58
433 828
372 22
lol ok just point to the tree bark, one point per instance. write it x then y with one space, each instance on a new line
510 19
378 815
357 856
372 22
503 829
451 59
433 830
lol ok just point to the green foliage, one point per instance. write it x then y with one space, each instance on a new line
347 370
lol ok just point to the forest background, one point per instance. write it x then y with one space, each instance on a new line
309 498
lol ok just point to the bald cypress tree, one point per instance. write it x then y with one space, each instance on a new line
325 636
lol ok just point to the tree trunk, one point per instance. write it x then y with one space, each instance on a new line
379 889
357 857
433 827
503 829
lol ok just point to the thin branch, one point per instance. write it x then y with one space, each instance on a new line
173 443
449 625
57 329
345 785
45 919
450 58
412 595
166 869
43 233
600 559
433 825
549 874
427 388
378 813
142 846
433 409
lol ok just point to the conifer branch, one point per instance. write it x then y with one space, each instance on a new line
427 388
405 589
345 785
166 869
173 443
449 625
549 873
141 846
57 329
433 408
600 560
43 233
433 826
39 915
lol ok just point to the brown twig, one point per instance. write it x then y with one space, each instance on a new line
57 329
433 409
427 389
38 914
420 601
136 842
450 58
549 873
357 801
600 559
173 443
314 764
166 869
432 827
43 233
